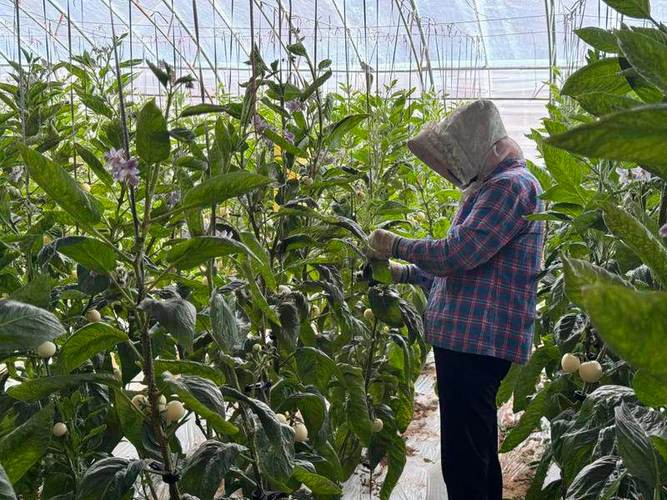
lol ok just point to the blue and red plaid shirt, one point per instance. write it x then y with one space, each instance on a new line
482 278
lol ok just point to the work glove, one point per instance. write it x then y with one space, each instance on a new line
398 272
381 244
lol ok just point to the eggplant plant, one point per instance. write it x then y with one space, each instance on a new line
164 263
600 361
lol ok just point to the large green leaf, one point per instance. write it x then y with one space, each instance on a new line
39 388
36 292
176 315
635 135
283 143
603 103
598 38
85 343
201 396
633 8
652 391
318 484
632 323
599 76
131 419
195 251
263 259
223 187
61 187
153 144
204 108
111 478
315 367
95 164
647 55
23 326
6 490
224 328
641 241
334 133
357 406
580 273
590 482
92 254
636 449
24 446
385 305
528 377
206 468
186 367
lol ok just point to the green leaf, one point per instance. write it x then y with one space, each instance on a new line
528 422
357 407
652 391
131 419
318 484
636 449
37 292
647 55
24 446
507 385
297 49
176 315
95 165
201 396
529 375
195 251
314 367
334 133
39 388
160 74
602 103
61 187
224 328
206 468
591 481
111 478
223 187
262 256
385 305
580 273
633 8
23 326
632 323
599 76
598 38
641 241
205 108
312 88
381 272
186 367
85 343
92 254
635 135
6 490
284 144
153 142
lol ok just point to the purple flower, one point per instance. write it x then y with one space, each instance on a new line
122 170
173 198
259 123
663 231
289 136
626 176
294 105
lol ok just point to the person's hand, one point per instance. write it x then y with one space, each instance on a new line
380 244
397 272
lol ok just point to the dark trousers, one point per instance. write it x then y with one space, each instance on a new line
467 387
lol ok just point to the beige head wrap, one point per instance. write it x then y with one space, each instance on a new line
466 146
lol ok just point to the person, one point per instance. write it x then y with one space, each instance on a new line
482 285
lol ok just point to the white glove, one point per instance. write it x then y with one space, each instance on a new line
381 244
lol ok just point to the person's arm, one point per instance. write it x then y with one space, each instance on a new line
412 275
496 217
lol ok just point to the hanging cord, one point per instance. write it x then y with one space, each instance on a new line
71 87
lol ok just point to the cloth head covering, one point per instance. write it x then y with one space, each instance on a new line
466 146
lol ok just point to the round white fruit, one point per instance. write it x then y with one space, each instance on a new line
590 371
300 433
307 180
257 347
86 187
93 316
569 363
59 429
377 425
46 349
175 411
281 418
315 311
140 402
284 289
368 314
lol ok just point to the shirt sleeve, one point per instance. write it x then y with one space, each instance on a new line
497 216
413 275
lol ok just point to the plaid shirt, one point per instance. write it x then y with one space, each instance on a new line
482 278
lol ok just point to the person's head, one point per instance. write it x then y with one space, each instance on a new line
466 146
